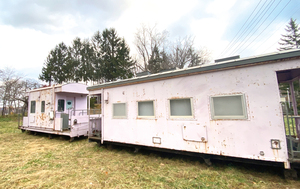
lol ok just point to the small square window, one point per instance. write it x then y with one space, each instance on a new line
32 107
43 107
146 109
61 105
228 107
119 110
181 107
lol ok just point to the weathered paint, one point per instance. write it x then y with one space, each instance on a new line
245 138
42 122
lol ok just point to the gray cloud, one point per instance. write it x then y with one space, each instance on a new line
49 16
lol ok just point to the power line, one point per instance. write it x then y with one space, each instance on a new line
248 33
297 9
249 24
267 25
240 29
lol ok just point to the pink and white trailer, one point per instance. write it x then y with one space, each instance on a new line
230 109
58 109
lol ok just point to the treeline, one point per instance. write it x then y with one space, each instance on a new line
106 57
103 58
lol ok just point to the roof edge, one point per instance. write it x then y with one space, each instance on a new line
230 64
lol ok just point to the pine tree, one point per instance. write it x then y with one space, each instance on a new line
292 38
75 58
47 70
86 62
56 67
60 60
115 59
96 43
103 58
125 63
154 64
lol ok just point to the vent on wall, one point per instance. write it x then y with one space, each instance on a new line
142 74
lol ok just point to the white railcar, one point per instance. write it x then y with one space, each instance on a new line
229 109
59 109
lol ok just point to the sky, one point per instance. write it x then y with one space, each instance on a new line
29 29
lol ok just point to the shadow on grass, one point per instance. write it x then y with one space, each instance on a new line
55 137
243 166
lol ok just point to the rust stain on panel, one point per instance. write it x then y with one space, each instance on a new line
42 116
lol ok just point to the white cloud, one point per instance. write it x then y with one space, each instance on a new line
151 12
213 23
26 48
220 7
209 32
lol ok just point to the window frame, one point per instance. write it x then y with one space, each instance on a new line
58 105
229 117
183 116
146 117
119 117
43 106
32 111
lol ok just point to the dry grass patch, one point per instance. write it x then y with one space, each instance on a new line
29 161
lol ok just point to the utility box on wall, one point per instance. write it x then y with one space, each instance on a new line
65 121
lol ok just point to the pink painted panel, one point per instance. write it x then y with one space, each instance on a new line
249 138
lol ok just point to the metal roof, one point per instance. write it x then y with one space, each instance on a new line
230 64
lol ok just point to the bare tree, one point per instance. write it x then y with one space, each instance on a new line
20 92
13 89
146 40
9 79
183 54
157 53
204 55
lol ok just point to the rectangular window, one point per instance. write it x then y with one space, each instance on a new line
61 105
119 110
228 107
32 107
181 107
43 107
146 109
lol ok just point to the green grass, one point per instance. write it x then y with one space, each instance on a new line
29 161
291 123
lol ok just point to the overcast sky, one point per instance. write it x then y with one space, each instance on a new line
30 28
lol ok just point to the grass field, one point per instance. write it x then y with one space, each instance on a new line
34 161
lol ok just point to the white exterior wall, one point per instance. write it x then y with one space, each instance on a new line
237 138
39 119
75 92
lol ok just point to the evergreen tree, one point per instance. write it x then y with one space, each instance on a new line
104 58
56 67
292 38
86 62
47 70
115 60
166 64
125 63
75 58
96 43
60 59
154 64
